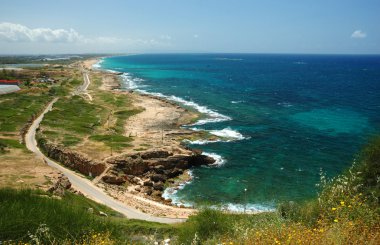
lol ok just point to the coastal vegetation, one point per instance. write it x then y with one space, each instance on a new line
97 125
36 217
346 211
19 167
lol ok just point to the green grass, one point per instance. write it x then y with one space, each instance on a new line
117 142
74 118
23 211
69 140
17 108
74 115
11 143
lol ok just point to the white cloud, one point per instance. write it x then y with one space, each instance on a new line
23 39
165 37
11 32
358 34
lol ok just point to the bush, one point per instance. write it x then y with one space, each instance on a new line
368 172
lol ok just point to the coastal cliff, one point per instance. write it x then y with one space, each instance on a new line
150 171
72 159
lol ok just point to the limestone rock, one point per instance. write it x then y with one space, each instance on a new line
72 159
159 186
158 177
155 154
111 179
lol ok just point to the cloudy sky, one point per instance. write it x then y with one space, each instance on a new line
126 26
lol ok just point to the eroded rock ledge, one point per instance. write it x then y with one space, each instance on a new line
146 173
72 159
149 171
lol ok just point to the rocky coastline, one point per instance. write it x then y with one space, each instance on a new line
149 172
137 176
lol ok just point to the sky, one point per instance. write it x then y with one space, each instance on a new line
190 26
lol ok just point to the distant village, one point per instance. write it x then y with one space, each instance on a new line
13 79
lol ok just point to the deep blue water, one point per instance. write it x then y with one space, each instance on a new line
298 114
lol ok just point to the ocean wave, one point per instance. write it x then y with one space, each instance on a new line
212 115
170 193
240 208
228 133
131 82
201 142
98 64
219 160
237 101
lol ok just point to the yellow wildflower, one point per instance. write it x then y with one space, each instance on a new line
336 220
333 209
342 203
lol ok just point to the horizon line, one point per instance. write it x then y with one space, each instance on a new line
184 52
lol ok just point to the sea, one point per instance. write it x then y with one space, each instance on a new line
284 119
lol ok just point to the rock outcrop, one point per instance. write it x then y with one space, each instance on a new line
116 180
72 159
149 171
62 184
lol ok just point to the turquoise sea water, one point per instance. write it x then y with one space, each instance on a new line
286 118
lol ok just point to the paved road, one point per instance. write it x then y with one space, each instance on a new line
84 185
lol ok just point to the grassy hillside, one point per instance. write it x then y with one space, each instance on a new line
34 216
94 127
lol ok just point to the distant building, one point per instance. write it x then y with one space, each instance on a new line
10 82
6 89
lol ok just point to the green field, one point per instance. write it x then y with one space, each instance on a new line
76 121
18 108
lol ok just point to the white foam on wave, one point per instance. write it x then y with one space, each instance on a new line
212 115
237 101
170 193
131 82
228 133
219 160
241 208
98 64
201 142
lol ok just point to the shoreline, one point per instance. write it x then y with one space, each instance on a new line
112 82
158 125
